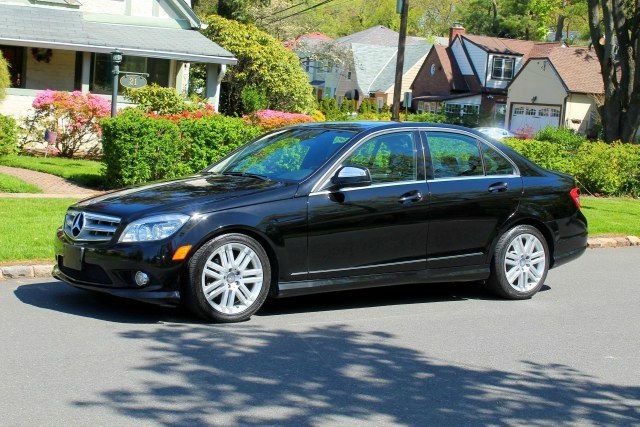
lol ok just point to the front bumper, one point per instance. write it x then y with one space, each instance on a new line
110 268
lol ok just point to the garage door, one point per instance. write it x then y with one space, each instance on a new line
532 118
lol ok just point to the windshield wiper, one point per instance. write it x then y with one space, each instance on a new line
247 174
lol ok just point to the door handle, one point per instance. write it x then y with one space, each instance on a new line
410 197
498 187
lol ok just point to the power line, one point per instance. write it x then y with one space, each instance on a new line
301 11
285 9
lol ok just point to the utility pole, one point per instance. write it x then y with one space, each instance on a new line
404 15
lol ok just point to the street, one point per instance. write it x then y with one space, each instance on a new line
406 355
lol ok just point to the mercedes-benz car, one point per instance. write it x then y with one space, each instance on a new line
327 207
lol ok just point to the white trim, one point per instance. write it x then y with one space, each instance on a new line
386 184
388 264
188 57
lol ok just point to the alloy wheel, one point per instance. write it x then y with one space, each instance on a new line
232 278
524 262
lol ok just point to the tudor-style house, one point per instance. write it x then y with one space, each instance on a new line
66 45
470 76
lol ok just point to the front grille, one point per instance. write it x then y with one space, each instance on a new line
90 227
90 273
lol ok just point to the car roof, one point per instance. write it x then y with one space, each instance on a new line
360 126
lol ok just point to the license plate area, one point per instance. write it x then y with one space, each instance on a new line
72 257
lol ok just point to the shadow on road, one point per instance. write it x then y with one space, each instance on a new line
247 375
61 297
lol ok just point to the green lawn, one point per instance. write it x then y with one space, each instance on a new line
28 227
612 215
11 184
85 172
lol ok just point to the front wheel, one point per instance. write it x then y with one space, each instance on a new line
520 263
229 278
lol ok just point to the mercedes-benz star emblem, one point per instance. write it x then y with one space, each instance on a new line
78 223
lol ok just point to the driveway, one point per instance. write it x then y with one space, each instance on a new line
416 355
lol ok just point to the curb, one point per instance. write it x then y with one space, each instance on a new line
44 270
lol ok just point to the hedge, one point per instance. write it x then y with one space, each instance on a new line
599 167
5 80
8 135
138 148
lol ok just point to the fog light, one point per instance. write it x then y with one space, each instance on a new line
141 278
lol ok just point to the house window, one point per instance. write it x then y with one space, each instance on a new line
543 112
502 68
452 108
158 70
470 109
555 112
531 111
349 75
518 111
307 65
421 106
15 58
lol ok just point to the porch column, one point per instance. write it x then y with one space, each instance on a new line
86 72
215 73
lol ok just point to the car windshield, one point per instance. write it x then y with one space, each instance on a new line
290 155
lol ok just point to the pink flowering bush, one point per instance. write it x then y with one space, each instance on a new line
273 119
73 118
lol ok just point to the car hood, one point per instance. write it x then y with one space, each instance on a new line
184 195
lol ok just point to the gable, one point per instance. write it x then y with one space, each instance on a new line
438 83
538 78
175 13
461 57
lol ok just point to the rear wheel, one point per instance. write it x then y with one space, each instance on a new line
520 263
229 278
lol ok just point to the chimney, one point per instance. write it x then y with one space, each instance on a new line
456 29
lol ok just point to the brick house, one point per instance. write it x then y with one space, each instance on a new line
470 75
66 44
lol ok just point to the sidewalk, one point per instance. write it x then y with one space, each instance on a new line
51 185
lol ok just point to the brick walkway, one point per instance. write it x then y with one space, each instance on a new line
51 185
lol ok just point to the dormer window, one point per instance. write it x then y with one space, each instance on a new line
502 68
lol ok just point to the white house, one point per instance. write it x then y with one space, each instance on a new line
66 45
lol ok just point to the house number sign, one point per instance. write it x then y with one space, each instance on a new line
133 81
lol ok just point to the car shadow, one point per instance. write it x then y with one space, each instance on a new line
58 296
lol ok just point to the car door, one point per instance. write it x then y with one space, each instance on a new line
374 229
474 190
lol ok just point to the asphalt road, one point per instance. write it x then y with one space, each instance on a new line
414 355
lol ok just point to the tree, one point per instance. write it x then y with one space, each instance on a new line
522 19
232 9
615 33
5 80
264 64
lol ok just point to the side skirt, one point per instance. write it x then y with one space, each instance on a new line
434 275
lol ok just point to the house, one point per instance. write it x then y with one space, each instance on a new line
470 76
364 65
313 51
557 86
66 45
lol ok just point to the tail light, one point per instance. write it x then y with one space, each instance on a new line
575 196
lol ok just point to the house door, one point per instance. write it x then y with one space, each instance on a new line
15 58
531 118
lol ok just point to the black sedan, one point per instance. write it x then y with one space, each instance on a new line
327 207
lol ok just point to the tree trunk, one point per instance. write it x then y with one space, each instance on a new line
559 28
619 57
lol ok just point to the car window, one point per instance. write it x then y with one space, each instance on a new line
454 155
293 154
389 158
495 163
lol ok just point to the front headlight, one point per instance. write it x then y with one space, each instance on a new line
153 228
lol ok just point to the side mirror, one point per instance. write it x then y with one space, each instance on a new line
351 176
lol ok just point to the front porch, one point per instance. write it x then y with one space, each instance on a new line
63 50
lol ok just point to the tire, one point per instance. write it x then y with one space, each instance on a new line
225 290
518 270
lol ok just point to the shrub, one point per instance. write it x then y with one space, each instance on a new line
600 168
5 80
72 117
331 110
271 119
157 99
263 62
567 138
141 147
427 117
253 99
8 135
209 139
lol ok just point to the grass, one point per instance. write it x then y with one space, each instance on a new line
11 184
87 173
28 227
612 215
